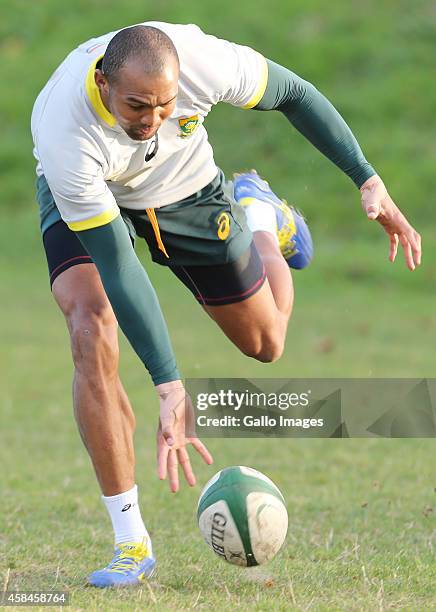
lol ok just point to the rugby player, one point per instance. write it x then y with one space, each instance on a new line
122 152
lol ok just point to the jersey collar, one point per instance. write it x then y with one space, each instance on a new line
94 96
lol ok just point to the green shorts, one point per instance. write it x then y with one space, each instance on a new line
204 240
207 228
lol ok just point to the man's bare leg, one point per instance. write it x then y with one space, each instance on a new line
258 324
103 412
104 416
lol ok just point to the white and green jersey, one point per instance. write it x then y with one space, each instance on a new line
92 167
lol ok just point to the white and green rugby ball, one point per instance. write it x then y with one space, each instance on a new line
242 516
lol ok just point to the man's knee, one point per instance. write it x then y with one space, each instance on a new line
266 347
91 322
94 342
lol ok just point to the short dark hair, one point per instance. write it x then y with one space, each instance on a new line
150 45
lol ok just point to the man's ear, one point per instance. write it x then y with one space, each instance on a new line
101 82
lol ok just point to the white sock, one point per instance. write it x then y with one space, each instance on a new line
126 517
261 217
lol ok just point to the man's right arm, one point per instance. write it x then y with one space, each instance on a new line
137 309
132 297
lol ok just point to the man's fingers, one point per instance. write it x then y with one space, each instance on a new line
184 461
200 448
416 248
377 204
162 458
373 212
167 427
373 193
394 247
371 206
411 243
173 474
407 252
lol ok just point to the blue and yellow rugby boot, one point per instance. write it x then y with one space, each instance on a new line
293 234
133 561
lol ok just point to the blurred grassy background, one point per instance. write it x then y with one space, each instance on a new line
355 315
373 59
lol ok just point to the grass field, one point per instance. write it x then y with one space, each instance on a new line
362 512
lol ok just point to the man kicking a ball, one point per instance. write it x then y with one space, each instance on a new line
122 152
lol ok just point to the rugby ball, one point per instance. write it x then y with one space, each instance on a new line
242 516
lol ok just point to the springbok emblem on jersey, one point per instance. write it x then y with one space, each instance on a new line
188 126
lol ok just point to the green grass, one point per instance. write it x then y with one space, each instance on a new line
362 523
361 511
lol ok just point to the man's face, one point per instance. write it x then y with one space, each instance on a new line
140 102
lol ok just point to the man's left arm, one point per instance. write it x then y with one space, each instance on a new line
317 119
238 75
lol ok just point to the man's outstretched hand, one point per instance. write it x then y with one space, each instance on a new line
379 206
175 431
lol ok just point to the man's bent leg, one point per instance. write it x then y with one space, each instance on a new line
258 325
282 239
104 416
